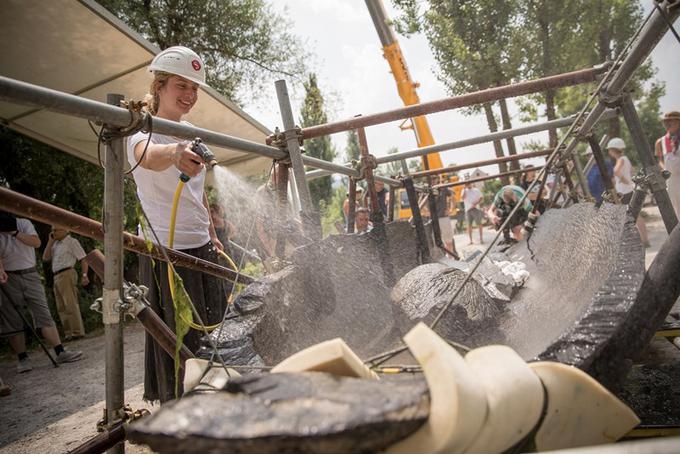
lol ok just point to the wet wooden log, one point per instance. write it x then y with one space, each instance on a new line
308 412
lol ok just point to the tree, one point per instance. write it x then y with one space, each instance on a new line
313 113
241 41
392 168
472 43
352 149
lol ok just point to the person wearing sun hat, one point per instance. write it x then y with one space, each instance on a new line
668 153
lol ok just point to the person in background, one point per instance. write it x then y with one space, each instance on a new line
505 200
361 220
444 196
22 286
472 198
381 191
596 183
527 177
178 73
345 205
668 153
64 251
623 180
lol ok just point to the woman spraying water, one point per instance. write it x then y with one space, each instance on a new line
163 160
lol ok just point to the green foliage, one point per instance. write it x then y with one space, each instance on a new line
242 41
331 211
352 150
391 168
313 113
489 189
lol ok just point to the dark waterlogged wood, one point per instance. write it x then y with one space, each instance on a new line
284 413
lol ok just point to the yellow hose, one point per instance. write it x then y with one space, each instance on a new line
171 239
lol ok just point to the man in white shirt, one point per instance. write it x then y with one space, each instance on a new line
472 198
64 251
23 287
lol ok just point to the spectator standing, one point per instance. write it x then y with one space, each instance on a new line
668 153
472 198
64 251
23 287
596 183
623 178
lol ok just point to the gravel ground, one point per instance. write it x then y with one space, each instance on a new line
56 409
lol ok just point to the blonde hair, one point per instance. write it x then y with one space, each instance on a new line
152 98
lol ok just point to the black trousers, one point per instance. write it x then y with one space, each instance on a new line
208 296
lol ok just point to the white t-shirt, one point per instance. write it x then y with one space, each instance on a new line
627 171
16 255
65 253
472 195
156 190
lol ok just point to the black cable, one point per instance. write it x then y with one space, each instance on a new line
146 147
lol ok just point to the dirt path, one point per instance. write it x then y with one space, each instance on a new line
56 409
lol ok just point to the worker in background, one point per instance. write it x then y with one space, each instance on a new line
64 251
623 180
23 287
362 220
505 200
178 73
668 153
472 200
345 206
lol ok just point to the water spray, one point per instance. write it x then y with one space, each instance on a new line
208 158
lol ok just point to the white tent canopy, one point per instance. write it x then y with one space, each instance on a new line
78 47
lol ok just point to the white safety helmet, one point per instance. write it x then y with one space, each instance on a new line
181 61
617 143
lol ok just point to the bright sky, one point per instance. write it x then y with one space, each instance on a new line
355 76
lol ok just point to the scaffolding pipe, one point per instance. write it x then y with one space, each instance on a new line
37 210
19 92
113 278
457 168
500 135
487 177
466 100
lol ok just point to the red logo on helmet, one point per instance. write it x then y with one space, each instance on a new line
196 64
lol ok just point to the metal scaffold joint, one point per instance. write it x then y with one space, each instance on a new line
651 179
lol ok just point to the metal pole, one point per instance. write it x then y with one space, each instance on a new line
352 207
376 212
488 177
113 278
28 207
390 205
457 168
599 158
580 177
18 92
421 238
402 156
467 100
310 218
281 175
651 170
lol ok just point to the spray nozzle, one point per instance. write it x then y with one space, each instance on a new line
198 147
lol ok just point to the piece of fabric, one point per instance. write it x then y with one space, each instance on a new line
66 299
624 183
446 229
65 253
474 215
14 253
24 290
156 191
208 296
596 183
471 196
672 164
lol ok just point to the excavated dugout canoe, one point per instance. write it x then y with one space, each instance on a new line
308 412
